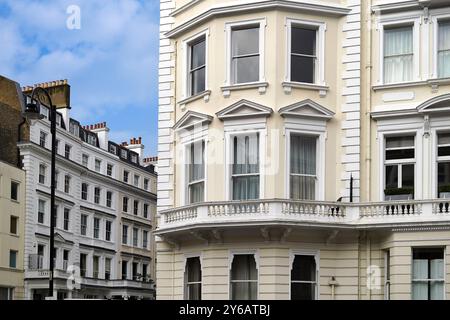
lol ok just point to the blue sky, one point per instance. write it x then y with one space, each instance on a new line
111 62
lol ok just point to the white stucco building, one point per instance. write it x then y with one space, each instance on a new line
106 203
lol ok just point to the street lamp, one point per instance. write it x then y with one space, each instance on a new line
32 112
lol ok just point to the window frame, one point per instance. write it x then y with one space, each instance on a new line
441 129
320 159
17 184
66 221
316 255
443 248
400 162
229 26
187 157
229 154
436 18
320 27
185 276
44 166
255 254
186 47
393 22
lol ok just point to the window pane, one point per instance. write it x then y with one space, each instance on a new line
245 69
244 267
391 176
303 154
194 291
398 41
399 142
408 176
198 81
302 69
303 291
303 187
196 161
245 41
420 291
198 54
398 54
193 269
400 154
444 49
246 188
246 154
443 174
303 41
244 291
303 268
196 192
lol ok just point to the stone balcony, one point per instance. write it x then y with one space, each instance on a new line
336 215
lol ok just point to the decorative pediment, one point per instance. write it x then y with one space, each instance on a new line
437 104
244 108
191 119
59 238
306 108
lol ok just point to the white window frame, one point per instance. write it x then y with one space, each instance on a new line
320 161
438 125
387 267
316 255
413 128
229 135
399 21
321 27
444 253
228 28
186 47
186 158
256 255
44 166
185 283
436 18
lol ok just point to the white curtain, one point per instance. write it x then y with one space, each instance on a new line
245 162
444 50
398 55
420 271
243 269
437 272
303 167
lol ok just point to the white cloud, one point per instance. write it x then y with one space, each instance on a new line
111 62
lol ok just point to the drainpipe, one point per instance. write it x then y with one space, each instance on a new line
333 283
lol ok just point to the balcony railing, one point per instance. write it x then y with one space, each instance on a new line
35 262
337 213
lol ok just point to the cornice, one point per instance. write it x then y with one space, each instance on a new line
309 6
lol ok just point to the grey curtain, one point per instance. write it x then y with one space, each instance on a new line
303 167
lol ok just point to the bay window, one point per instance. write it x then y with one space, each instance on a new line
304 278
245 54
244 277
399 167
245 167
197 66
398 54
196 171
428 282
193 279
303 171
444 49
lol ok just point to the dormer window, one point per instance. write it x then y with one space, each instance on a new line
123 154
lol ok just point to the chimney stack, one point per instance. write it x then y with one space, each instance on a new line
136 146
102 132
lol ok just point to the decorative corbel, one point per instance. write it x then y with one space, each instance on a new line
426 126
285 234
199 236
217 234
331 236
171 241
265 234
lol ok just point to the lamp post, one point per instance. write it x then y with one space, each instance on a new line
32 111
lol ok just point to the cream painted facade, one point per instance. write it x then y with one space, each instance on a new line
11 237
362 119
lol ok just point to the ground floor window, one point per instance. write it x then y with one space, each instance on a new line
6 293
304 278
193 276
428 282
244 277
